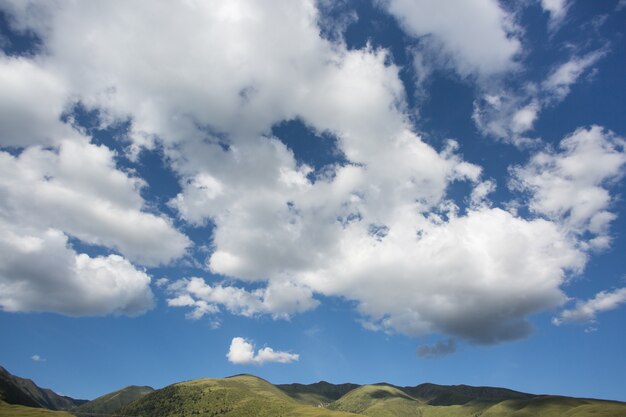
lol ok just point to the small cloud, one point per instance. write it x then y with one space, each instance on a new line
38 358
438 350
586 311
241 352
162 282
313 331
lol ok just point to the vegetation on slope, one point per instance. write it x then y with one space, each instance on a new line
318 393
462 394
240 396
112 402
378 400
14 410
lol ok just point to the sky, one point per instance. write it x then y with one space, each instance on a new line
359 191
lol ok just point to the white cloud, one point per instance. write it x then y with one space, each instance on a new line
570 186
561 79
280 298
557 10
40 272
31 103
377 230
76 187
37 358
586 311
478 36
241 352
510 115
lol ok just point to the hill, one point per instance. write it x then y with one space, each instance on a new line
378 400
236 396
248 395
112 402
457 401
318 393
22 391
462 394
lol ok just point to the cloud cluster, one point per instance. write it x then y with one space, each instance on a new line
376 227
241 352
510 114
569 187
586 311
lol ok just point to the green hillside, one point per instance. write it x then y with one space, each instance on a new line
462 394
378 400
318 393
251 396
14 410
237 396
112 402
389 401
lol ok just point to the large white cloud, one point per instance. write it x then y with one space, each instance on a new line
210 80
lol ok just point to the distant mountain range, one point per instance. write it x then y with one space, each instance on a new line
251 396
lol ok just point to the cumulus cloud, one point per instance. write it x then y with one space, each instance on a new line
570 186
241 352
37 358
510 115
437 350
586 311
376 228
40 272
32 100
478 37
281 299
77 188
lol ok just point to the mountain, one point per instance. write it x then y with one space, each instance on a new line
318 393
462 394
22 391
248 395
112 402
379 400
464 401
236 396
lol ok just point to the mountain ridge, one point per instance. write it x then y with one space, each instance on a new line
23 391
246 395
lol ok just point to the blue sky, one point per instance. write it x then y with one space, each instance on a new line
353 191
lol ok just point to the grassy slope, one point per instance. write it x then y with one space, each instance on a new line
318 393
12 410
378 400
238 396
388 401
113 401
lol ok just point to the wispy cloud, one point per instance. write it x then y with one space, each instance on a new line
437 350
586 311
37 358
